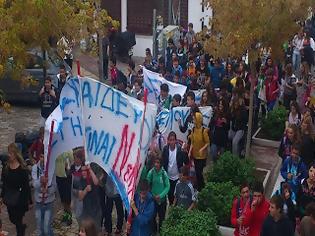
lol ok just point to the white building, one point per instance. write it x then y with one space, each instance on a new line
137 16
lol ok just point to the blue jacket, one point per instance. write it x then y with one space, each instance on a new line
141 224
297 169
217 75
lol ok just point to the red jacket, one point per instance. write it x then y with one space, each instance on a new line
240 230
271 87
36 149
255 219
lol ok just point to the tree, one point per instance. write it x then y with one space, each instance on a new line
26 24
248 25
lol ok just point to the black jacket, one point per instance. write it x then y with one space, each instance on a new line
283 227
181 157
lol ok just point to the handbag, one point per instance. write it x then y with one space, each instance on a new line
12 197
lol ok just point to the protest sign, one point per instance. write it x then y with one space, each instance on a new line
152 81
198 95
108 124
167 120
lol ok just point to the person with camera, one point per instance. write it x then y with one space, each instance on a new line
48 100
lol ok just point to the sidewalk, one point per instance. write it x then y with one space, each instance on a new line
267 158
89 64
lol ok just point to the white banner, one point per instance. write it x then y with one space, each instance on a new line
167 120
111 123
152 81
198 95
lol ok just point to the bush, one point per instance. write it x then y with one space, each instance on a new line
274 124
181 222
219 198
232 168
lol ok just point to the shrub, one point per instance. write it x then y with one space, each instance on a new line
181 222
232 168
274 124
219 198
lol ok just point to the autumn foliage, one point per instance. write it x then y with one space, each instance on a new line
243 25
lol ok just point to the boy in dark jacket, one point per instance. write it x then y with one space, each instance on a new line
277 224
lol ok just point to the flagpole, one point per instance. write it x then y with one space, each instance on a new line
82 112
145 101
51 134
78 68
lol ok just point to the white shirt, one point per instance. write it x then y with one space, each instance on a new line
297 44
172 169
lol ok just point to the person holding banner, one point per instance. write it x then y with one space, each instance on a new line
64 182
89 195
194 108
160 186
44 198
198 149
142 211
164 99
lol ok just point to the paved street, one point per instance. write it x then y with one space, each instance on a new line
24 118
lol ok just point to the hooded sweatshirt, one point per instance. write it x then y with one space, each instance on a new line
255 219
199 137
141 224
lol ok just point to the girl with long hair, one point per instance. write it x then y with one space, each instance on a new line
307 140
16 191
291 136
219 126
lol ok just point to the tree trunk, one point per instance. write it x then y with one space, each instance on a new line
251 105
44 64
100 57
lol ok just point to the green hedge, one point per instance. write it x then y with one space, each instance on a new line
274 124
232 168
181 222
219 198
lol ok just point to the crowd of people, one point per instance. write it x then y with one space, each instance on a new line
89 194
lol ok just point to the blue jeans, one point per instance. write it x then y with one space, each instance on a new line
214 149
296 62
236 139
44 216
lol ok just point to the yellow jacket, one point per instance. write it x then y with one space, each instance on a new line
199 137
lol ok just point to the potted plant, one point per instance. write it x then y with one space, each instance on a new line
218 197
272 128
232 168
181 222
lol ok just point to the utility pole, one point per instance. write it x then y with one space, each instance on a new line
170 12
100 44
154 34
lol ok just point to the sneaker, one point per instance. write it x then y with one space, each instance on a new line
117 232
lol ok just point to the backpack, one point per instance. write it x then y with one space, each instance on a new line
238 205
203 129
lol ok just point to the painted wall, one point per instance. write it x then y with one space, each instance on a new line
196 15
143 42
